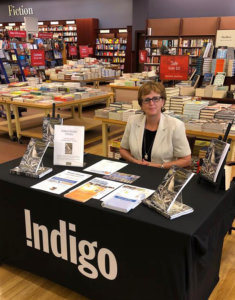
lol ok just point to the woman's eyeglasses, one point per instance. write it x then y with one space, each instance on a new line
154 99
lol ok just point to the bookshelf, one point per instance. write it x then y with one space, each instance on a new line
178 36
111 46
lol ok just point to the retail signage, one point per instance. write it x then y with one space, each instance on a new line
73 51
19 11
174 67
37 58
142 56
83 51
225 38
62 242
90 50
45 35
17 33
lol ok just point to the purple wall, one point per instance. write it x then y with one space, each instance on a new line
188 8
111 13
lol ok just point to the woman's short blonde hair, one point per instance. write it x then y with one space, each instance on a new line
151 86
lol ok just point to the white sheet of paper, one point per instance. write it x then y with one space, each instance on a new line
69 145
105 167
61 182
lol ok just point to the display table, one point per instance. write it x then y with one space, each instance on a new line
95 81
124 93
104 254
190 133
45 109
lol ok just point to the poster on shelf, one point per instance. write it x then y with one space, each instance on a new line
73 51
17 33
174 67
83 51
45 35
37 58
142 56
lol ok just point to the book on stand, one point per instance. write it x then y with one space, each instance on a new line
214 159
30 164
167 199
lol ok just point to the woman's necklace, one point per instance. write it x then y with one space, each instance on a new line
148 151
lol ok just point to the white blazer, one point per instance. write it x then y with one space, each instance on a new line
169 144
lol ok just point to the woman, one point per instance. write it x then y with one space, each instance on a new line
153 138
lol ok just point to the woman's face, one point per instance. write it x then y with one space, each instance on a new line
152 104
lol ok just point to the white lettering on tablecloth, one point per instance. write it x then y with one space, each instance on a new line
63 244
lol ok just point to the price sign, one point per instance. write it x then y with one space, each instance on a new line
83 51
174 67
37 58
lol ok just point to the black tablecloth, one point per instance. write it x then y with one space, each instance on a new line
155 258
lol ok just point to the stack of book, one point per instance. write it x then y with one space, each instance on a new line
170 92
225 114
215 125
177 103
206 65
208 112
103 112
192 108
127 113
195 125
230 68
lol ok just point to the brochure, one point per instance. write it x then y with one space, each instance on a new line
213 161
95 188
105 167
69 145
48 129
122 177
169 189
61 182
30 164
126 198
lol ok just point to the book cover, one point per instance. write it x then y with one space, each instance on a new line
48 129
178 208
170 188
213 161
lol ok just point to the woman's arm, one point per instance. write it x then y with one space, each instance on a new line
127 156
180 162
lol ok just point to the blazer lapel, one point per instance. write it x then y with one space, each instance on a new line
139 132
161 131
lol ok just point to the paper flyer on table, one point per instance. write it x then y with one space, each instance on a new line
105 167
126 198
95 188
61 182
69 145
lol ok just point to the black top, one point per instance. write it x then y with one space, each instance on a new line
148 140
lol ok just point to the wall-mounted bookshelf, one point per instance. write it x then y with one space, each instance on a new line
111 47
186 36
114 46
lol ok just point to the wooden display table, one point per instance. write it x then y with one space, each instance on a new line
96 81
36 131
190 133
124 93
